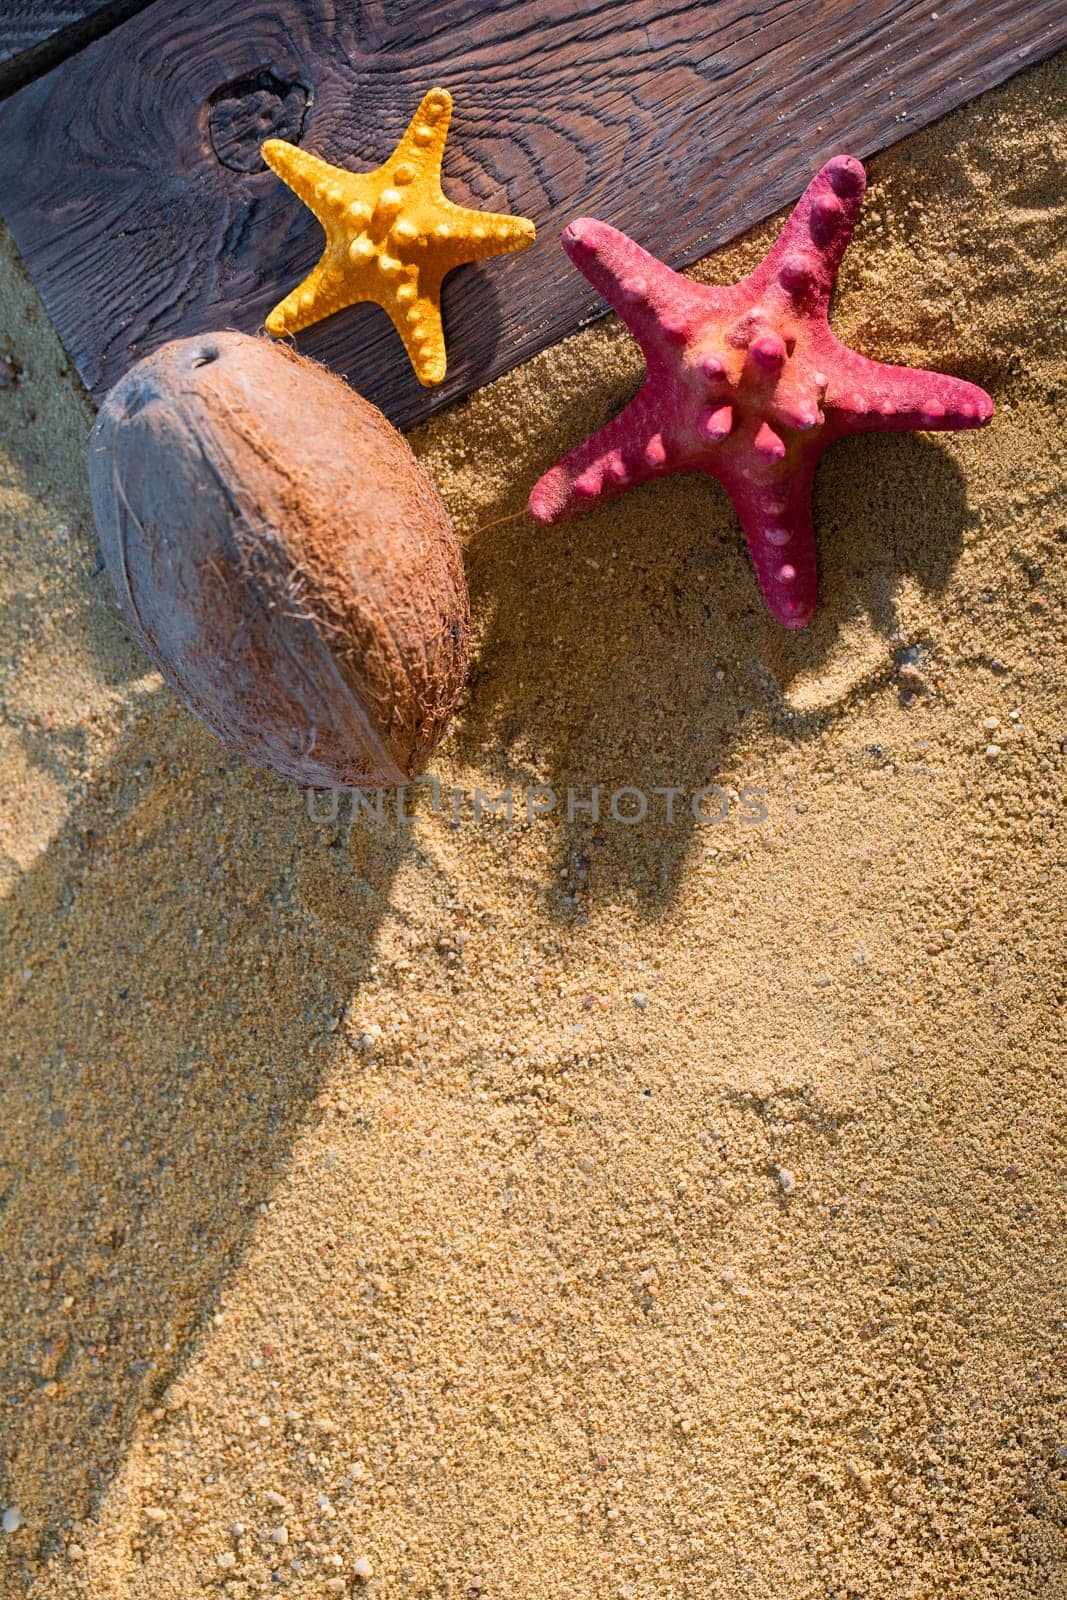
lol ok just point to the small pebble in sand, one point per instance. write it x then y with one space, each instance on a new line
155 1513
787 1180
992 751
362 1568
640 1001
11 1520
226 1559
280 1534
728 1276
991 724
273 1498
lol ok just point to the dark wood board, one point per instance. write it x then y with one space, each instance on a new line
132 183
35 35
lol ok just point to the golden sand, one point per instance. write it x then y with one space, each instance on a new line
581 1210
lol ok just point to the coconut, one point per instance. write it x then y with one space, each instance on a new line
283 559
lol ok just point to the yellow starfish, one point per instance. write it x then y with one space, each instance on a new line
391 236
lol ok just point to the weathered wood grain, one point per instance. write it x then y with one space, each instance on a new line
35 35
134 190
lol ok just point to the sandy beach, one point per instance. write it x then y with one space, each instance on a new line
586 1208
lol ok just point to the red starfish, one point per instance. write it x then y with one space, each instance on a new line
748 384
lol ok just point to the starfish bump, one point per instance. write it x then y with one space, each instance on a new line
748 384
391 236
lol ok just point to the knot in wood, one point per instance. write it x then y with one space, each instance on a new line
248 110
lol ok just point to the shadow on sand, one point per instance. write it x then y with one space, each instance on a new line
177 964
179 958
652 659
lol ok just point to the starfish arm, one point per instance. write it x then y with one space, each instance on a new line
309 177
321 293
626 451
862 394
804 262
422 148
657 304
418 322
474 235
776 517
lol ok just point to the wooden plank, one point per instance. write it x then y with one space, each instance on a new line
35 35
134 190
